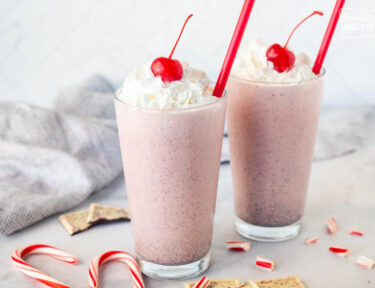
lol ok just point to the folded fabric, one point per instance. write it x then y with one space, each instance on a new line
51 160
342 131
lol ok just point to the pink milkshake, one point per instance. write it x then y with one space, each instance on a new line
272 123
171 137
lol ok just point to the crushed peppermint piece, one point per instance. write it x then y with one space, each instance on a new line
309 241
239 245
356 232
340 251
332 225
265 263
365 262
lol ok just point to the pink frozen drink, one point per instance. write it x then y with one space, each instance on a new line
171 137
272 122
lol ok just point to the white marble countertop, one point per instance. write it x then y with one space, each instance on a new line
341 187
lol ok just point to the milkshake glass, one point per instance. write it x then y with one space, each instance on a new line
171 163
272 128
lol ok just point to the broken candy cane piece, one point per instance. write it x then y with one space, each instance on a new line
340 251
332 225
202 283
264 263
223 283
309 241
365 262
239 245
356 232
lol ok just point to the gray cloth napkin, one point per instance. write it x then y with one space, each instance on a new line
51 160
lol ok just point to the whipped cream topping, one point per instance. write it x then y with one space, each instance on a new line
142 88
251 63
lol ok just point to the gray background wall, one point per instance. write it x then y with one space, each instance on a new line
48 44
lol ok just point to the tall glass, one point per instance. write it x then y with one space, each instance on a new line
272 128
171 162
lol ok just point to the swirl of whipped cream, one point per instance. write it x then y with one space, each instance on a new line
142 88
251 63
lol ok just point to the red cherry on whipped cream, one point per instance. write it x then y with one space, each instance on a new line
169 69
282 58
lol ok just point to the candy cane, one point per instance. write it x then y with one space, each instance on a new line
365 262
340 251
115 256
21 265
239 245
265 263
356 232
202 283
332 225
309 241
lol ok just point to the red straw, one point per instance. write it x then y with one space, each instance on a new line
233 48
328 36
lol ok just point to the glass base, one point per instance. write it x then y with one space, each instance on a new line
267 234
175 272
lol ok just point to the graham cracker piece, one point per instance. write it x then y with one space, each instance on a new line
225 283
102 213
75 222
287 282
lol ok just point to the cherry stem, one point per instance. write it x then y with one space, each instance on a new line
312 14
179 36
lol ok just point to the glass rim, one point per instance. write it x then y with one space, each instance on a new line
179 110
278 83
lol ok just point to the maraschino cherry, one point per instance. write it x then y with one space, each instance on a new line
281 57
169 69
